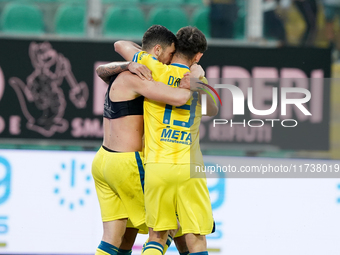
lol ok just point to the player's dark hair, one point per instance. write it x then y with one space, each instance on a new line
190 42
158 34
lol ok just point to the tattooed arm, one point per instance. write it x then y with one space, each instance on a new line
108 70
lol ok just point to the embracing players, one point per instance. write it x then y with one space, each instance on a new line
171 146
118 165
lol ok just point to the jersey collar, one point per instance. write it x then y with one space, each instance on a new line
180 65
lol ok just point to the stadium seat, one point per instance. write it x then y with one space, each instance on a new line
120 1
172 18
167 2
72 1
44 1
194 2
124 21
200 19
70 20
55 1
239 25
22 18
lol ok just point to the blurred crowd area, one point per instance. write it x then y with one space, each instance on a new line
302 22
290 22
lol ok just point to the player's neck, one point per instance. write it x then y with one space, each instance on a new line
180 60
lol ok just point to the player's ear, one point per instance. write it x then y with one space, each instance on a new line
158 50
198 57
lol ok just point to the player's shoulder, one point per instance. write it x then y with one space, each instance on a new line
142 56
180 69
180 66
127 78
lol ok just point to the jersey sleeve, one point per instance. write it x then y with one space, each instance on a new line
134 59
156 67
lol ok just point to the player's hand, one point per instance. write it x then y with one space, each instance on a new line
197 71
189 81
185 81
141 70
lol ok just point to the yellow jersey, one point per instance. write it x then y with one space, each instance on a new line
171 133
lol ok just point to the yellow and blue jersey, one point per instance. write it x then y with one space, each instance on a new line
171 133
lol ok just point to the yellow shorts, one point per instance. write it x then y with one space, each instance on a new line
170 190
119 181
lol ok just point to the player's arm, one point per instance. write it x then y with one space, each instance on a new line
127 49
110 69
131 51
161 92
196 73
158 91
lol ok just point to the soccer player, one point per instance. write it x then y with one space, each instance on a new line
171 146
118 165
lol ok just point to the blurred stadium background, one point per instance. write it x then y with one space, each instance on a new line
50 121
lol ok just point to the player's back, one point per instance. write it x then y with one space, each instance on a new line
171 133
123 116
